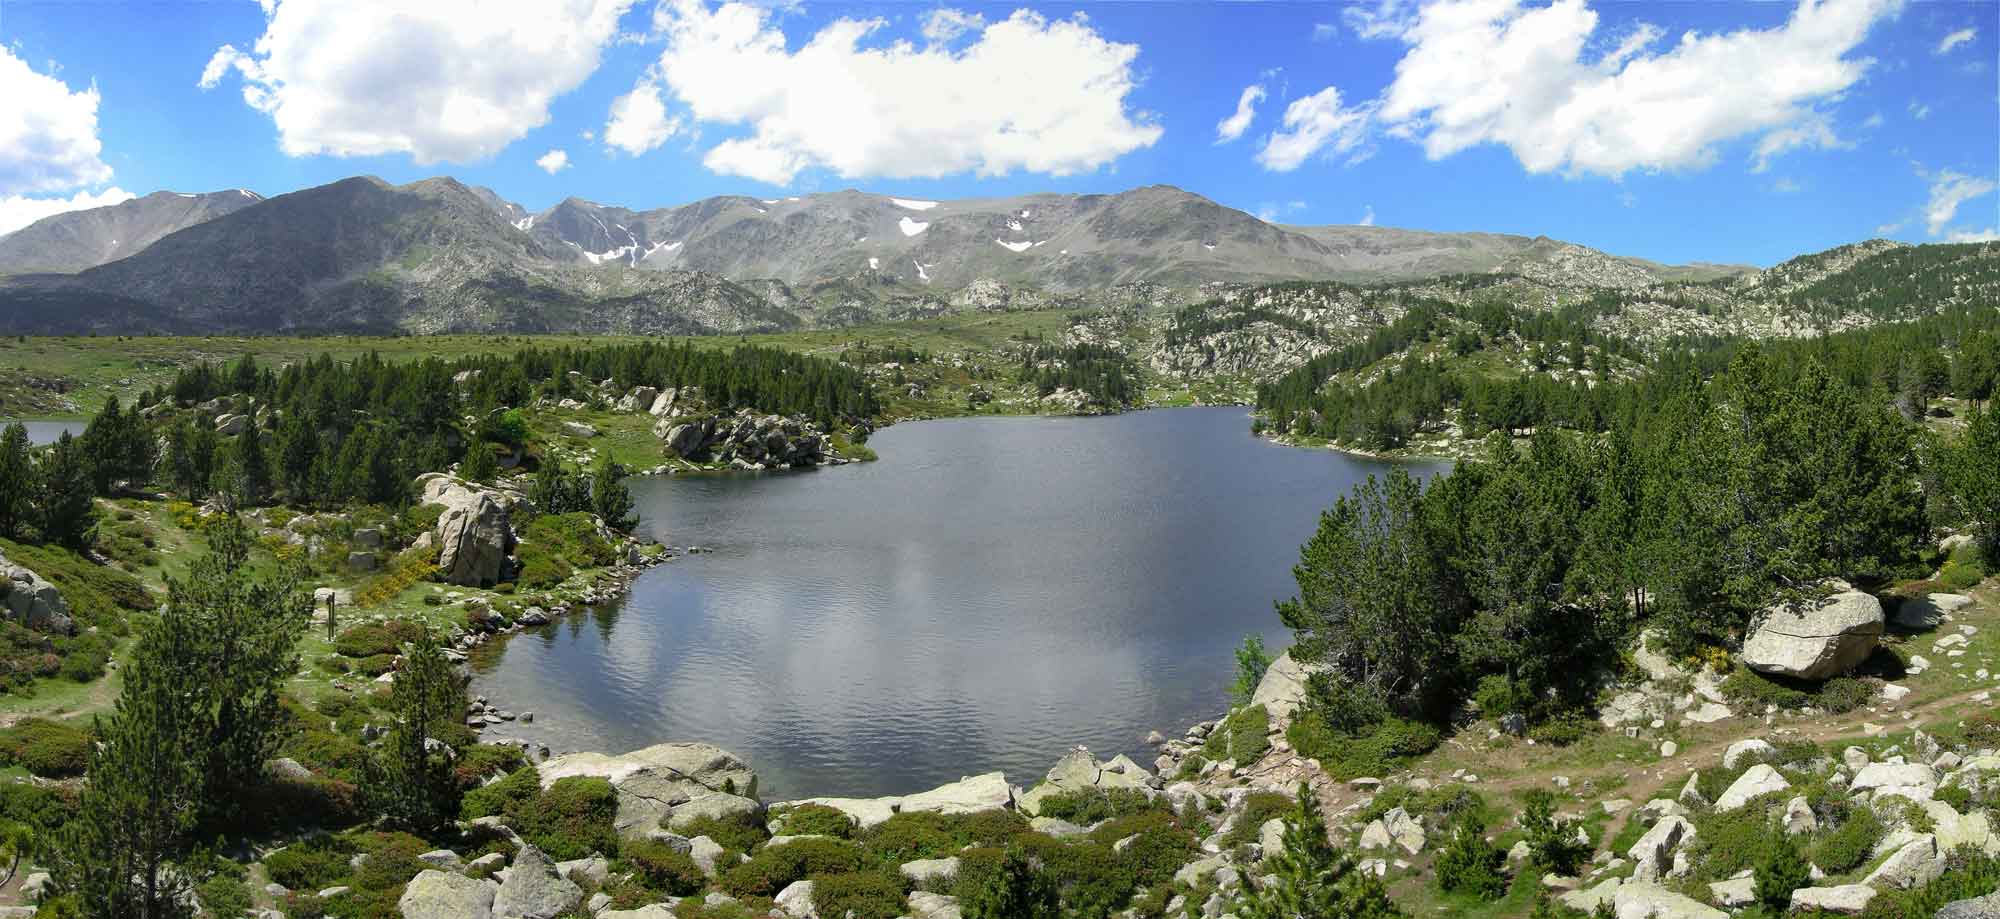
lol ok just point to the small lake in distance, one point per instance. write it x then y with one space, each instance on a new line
987 595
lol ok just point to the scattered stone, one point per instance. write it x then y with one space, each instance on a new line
437 894
534 890
1742 750
1847 899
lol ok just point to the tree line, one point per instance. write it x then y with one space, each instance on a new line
1513 580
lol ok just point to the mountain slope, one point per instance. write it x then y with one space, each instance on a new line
361 254
1057 243
77 240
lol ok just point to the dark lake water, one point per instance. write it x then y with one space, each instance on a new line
989 594
46 432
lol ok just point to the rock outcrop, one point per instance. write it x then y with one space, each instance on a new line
32 601
1283 688
474 535
447 895
971 795
534 889
745 439
1078 770
1820 640
652 782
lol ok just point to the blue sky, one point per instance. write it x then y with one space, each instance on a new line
1731 132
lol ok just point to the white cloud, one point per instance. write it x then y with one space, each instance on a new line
1367 219
639 121
1383 19
553 161
1786 185
1949 190
1815 130
48 134
17 211
1990 234
1502 72
453 80
1955 39
1313 124
944 25
1230 128
1873 121
1325 31
1919 111
1026 93
1270 211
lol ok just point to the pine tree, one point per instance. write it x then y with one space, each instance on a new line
1550 844
1972 476
412 779
248 644
609 498
1015 890
298 454
1251 663
144 795
1310 879
1781 870
1469 864
68 508
479 465
17 482
252 467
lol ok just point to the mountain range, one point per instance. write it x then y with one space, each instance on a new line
437 255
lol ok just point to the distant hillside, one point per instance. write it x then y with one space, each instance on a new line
437 255
83 239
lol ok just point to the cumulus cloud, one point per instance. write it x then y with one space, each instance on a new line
1955 39
17 211
639 121
1314 125
1381 19
1026 93
48 135
944 25
1504 72
1232 127
446 80
1949 190
1368 218
553 161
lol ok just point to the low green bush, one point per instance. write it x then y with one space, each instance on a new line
1159 846
907 837
661 868
1848 844
1755 690
817 820
1258 808
774 868
316 862
511 795
1243 737
735 834
859 895
1085 806
1968 873
554 546
1565 728
1377 750
574 818
1729 841
392 860
1090 879
478 762
369 640
46 748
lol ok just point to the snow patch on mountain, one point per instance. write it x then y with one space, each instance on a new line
912 227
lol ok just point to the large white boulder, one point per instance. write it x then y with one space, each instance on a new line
1756 781
32 601
1642 900
1653 854
1743 750
1283 688
475 532
446 895
1915 781
534 889
1846 899
970 795
1917 863
1818 640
